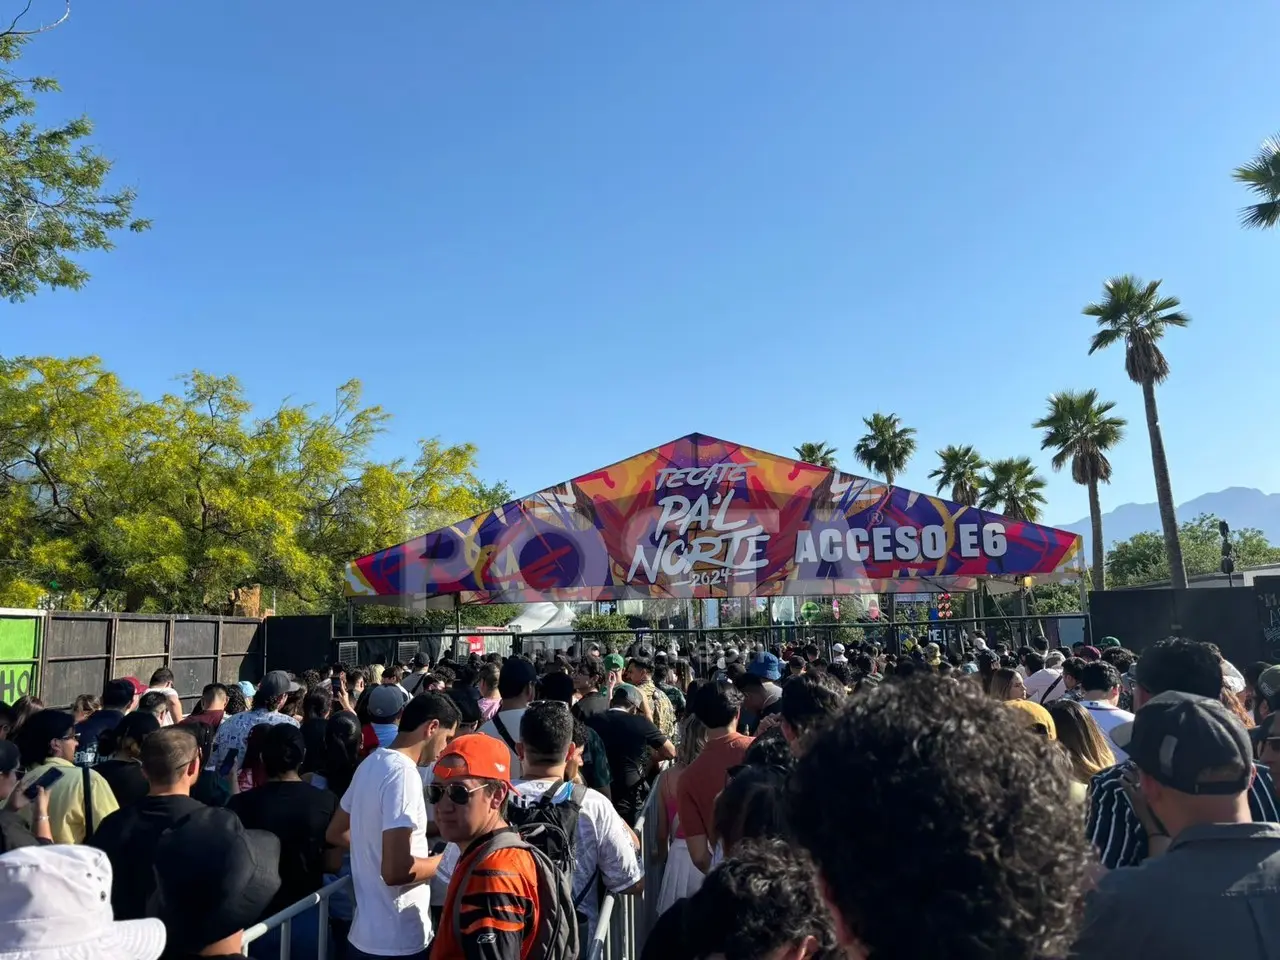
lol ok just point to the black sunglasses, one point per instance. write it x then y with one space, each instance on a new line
456 792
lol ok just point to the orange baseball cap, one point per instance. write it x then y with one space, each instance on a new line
485 756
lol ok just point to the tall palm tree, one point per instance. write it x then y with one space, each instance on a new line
1262 176
819 454
960 470
1134 313
1013 488
1080 430
887 445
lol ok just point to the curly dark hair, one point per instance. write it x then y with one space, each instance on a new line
762 899
809 700
926 786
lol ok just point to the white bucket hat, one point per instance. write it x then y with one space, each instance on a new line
55 904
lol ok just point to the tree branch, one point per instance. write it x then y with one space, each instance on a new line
13 30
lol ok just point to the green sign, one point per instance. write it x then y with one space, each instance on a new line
19 642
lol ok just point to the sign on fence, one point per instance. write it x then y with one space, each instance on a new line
19 656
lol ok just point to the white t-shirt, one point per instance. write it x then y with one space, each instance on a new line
1108 718
386 794
1042 680
603 844
511 720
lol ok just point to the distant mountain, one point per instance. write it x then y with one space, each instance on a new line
1239 506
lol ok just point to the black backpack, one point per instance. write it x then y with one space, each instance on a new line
552 828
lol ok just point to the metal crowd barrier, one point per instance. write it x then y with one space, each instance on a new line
625 920
624 923
281 920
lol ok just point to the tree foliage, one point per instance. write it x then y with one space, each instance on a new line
1261 176
54 202
1012 487
820 454
1142 559
108 500
960 468
887 446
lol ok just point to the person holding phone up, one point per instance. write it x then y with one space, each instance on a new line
13 832
79 799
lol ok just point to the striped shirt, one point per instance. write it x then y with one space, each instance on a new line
1118 834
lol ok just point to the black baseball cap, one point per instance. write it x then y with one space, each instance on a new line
214 877
10 759
1177 737
516 673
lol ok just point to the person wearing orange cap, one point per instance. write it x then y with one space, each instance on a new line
491 908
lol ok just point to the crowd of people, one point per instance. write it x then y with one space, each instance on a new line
981 802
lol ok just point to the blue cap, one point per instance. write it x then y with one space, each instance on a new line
970 668
765 666
247 688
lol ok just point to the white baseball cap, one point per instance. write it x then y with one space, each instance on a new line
837 648
55 904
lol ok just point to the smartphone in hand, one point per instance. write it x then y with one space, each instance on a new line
46 780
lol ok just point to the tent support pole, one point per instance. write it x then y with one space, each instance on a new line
351 619
457 623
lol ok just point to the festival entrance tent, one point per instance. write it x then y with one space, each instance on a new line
701 517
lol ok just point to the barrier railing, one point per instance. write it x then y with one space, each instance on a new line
280 921
626 919
623 925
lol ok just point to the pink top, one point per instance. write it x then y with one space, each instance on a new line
488 708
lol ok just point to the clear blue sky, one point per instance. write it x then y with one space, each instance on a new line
568 232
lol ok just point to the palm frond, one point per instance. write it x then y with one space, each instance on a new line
1262 176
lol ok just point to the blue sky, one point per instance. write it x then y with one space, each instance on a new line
568 232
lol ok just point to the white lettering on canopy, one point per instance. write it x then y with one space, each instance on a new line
702 538
901 543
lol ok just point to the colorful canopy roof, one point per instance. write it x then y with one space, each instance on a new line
700 517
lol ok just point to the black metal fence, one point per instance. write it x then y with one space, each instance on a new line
955 635
58 655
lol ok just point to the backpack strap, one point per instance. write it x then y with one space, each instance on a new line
504 840
87 791
502 731
1052 687
548 797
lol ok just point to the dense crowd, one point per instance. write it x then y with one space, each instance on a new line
981 802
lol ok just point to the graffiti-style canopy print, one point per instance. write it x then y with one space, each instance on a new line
700 517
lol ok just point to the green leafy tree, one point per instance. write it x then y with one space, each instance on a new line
189 503
819 454
960 469
1135 314
1142 558
1262 177
1080 430
886 447
54 203
1012 487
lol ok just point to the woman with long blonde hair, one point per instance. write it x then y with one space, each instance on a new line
680 878
1081 738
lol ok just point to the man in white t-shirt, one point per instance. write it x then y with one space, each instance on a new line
603 845
1099 693
162 682
1045 682
383 820
517 683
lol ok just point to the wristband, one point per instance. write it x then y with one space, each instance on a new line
42 817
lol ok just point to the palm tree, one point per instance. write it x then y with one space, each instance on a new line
1013 488
1079 429
1262 176
819 454
959 471
887 445
1135 314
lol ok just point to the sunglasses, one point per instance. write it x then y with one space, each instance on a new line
456 792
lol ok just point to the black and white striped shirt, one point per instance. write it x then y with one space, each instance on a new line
1118 834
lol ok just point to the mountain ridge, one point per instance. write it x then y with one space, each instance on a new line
1239 506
